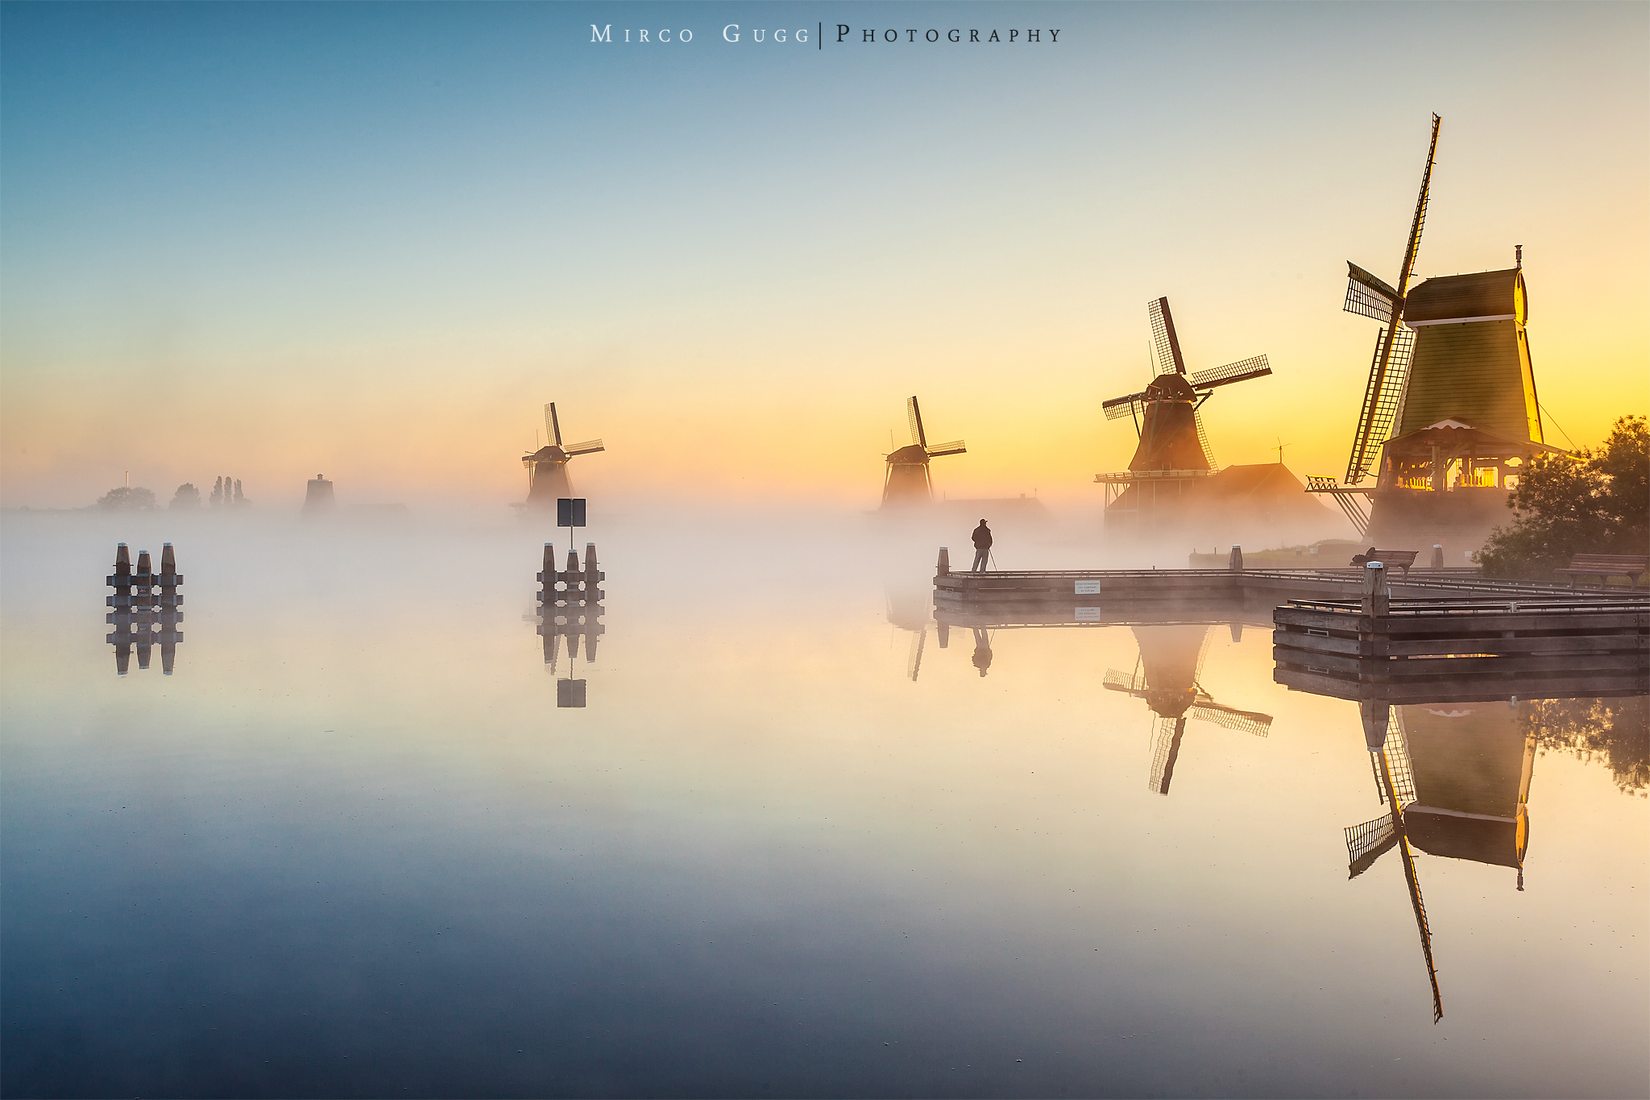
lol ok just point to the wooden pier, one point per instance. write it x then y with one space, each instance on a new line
1353 633
1379 648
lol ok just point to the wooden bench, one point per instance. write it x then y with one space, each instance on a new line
1605 566
1392 559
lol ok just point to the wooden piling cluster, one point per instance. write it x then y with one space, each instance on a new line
145 609
1382 648
570 603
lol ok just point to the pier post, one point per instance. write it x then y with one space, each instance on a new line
1437 555
1377 596
1377 602
572 580
943 567
547 578
1235 562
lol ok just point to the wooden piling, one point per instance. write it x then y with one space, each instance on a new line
943 568
1234 563
1377 599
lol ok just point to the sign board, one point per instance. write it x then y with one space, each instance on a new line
570 511
570 693
1088 588
1088 614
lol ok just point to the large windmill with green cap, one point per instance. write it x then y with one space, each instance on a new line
1449 414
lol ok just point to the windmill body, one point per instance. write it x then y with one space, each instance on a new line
1449 416
547 476
1172 483
907 481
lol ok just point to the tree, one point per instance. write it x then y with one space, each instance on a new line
187 498
126 498
1595 502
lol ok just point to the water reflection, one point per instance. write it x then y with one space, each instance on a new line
144 632
145 609
1454 778
1166 677
570 607
910 610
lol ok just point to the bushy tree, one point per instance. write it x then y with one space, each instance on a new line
126 498
187 498
1597 502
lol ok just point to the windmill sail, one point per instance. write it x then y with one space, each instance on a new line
1164 338
1244 369
1389 369
914 415
1119 407
552 426
1368 295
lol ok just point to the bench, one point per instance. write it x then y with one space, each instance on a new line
1392 559
1605 566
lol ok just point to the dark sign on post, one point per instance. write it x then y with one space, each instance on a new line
570 511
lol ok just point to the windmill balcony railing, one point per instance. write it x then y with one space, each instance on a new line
1127 476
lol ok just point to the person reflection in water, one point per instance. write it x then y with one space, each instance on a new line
982 649
982 547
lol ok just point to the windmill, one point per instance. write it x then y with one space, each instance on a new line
907 480
1173 448
1450 400
1166 677
547 467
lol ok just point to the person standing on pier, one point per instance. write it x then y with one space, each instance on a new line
982 547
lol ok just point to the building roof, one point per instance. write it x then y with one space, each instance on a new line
1463 297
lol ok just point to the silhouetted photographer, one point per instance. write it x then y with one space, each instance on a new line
982 547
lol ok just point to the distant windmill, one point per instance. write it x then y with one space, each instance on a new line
1171 658
547 467
907 480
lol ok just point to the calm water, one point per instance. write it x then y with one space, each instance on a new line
353 847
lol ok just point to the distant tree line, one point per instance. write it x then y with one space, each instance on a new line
1594 502
226 493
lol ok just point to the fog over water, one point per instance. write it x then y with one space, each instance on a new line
791 844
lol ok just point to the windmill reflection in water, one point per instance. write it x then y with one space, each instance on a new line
1166 677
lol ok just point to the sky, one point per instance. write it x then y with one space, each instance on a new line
372 240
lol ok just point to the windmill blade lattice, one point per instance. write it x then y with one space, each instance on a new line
1164 340
1244 369
1119 407
914 414
1368 295
552 426
1244 721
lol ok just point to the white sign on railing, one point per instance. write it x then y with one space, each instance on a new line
1088 614
1087 588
